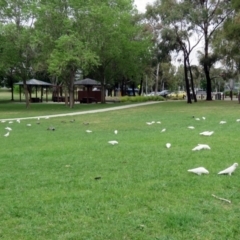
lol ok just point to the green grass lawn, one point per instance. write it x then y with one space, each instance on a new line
48 188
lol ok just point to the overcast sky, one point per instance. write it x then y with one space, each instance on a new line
141 4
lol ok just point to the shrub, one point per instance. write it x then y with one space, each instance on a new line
141 98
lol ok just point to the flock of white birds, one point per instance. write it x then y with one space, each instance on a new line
198 170
202 170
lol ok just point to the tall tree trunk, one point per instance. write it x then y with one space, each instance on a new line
209 83
71 90
192 83
103 93
141 87
103 89
186 81
206 68
26 93
66 96
133 89
157 76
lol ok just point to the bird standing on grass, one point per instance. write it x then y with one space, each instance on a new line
168 145
229 170
113 142
200 147
7 134
199 170
207 133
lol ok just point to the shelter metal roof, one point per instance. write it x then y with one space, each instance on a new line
35 82
87 82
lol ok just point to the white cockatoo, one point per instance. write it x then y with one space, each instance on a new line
8 128
207 133
113 142
88 131
168 145
198 119
191 127
7 134
164 130
199 170
29 124
203 118
222 122
200 147
229 170
116 131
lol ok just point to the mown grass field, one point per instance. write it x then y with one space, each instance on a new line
48 188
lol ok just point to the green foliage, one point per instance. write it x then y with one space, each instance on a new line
234 93
141 98
69 55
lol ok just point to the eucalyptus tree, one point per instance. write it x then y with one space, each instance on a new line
206 16
227 42
176 31
162 47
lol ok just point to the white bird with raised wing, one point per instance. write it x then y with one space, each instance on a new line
113 142
229 170
199 170
207 133
200 147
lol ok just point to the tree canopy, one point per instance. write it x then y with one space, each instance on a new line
112 42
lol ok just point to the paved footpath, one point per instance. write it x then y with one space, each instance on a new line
86 112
